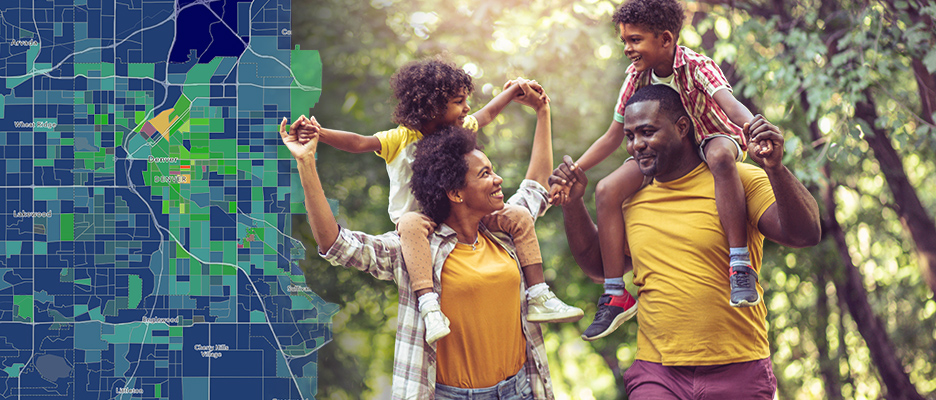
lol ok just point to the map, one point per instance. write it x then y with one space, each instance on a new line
146 202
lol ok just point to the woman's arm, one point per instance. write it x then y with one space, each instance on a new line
378 255
541 155
323 224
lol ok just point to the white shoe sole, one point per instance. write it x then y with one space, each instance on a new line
745 303
561 317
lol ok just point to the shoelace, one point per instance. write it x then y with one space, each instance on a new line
603 310
742 278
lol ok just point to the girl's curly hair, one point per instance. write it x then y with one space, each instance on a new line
654 15
424 88
440 166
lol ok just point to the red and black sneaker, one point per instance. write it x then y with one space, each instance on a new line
612 312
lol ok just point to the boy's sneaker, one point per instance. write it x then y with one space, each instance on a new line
437 324
548 308
612 312
743 286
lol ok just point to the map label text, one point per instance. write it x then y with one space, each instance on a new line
29 42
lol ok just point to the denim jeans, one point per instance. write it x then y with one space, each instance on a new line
516 387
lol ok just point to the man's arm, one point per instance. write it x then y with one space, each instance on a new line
341 140
581 231
793 220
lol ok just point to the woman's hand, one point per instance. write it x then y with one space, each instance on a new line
531 93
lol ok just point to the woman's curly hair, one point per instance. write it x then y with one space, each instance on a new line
440 166
424 88
654 15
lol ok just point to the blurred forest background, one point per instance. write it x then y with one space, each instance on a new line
851 82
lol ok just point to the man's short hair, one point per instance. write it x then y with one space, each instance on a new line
670 102
440 166
654 15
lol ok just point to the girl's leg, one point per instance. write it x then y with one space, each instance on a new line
543 306
616 305
721 155
414 229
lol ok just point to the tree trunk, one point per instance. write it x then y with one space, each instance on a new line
909 208
849 285
926 86
926 82
828 366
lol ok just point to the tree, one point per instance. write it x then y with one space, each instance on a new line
827 68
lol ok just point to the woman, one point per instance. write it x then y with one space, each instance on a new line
492 349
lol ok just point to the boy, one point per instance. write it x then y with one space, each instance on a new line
649 30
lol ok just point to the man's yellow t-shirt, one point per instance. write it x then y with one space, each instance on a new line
680 255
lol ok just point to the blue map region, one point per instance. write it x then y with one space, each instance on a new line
146 202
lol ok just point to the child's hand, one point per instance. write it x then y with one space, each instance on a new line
559 194
290 137
567 182
531 94
307 129
536 88
765 142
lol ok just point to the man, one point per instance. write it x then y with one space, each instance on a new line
689 344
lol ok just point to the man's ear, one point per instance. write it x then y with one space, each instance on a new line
668 39
683 125
454 196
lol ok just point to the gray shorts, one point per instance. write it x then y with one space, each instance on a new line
740 156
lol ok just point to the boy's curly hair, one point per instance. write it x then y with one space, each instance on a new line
424 88
654 15
440 166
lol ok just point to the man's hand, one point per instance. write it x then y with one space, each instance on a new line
765 142
571 179
298 145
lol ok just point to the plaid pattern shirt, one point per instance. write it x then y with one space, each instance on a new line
697 78
414 364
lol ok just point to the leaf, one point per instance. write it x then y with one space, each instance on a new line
930 61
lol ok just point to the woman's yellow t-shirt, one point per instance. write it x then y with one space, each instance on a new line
481 296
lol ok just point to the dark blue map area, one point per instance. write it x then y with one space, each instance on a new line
146 202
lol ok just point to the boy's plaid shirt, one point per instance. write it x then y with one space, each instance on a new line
414 364
698 78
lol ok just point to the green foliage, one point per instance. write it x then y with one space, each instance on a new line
804 65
